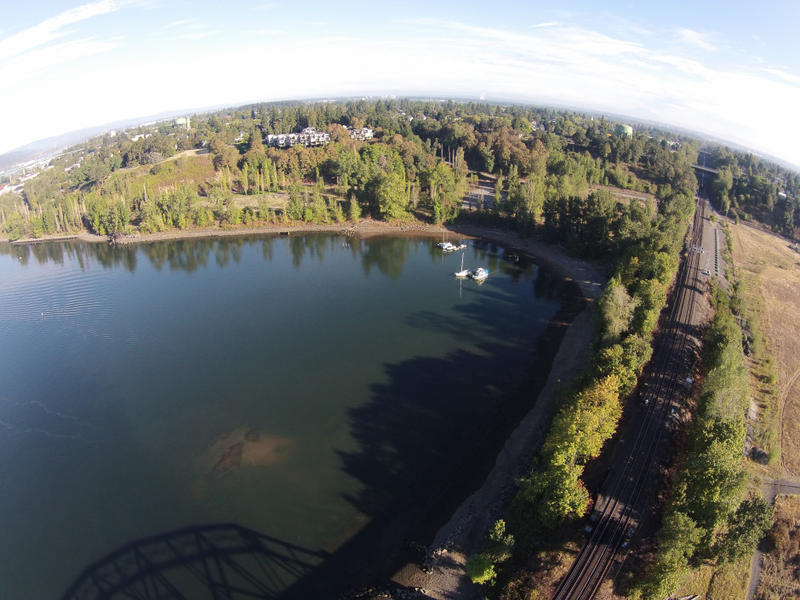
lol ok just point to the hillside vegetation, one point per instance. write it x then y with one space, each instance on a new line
420 164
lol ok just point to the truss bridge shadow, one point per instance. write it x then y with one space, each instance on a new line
220 561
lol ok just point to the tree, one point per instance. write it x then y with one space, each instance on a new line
294 206
615 311
746 527
480 568
558 493
245 177
386 193
678 539
721 187
319 208
354 210
443 192
15 226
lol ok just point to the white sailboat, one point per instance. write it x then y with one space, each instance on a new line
463 272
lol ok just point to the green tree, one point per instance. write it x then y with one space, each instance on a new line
444 193
319 208
746 527
480 568
245 178
616 308
294 206
387 195
721 187
677 542
354 210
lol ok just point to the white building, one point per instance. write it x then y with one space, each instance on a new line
308 137
362 134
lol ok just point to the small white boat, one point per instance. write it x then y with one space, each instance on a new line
479 274
463 272
450 247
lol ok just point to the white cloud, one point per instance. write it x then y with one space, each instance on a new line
266 32
696 39
30 65
197 35
558 64
789 77
52 28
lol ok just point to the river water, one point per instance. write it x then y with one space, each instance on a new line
311 388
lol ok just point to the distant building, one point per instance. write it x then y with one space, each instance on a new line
362 134
185 122
308 137
623 131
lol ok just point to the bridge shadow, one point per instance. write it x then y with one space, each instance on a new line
203 561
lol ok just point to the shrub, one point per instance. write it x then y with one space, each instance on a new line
480 568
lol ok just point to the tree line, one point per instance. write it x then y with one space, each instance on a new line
707 517
438 144
587 414
750 188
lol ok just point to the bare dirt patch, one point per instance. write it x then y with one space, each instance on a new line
768 261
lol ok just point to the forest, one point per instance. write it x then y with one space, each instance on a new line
753 189
421 164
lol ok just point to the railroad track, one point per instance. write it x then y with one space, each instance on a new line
616 514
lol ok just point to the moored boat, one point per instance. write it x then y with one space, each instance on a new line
479 274
463 272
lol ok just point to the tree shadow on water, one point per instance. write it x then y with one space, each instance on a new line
428 437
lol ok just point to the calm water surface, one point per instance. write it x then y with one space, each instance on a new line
305 387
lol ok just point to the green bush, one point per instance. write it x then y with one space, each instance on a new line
480 568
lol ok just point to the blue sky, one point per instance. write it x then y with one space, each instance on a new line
729 69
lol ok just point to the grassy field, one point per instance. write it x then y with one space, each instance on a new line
187 168
729 582
770 270
624 196
273 199
780 574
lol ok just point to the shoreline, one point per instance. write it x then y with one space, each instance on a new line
363 228
589 277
